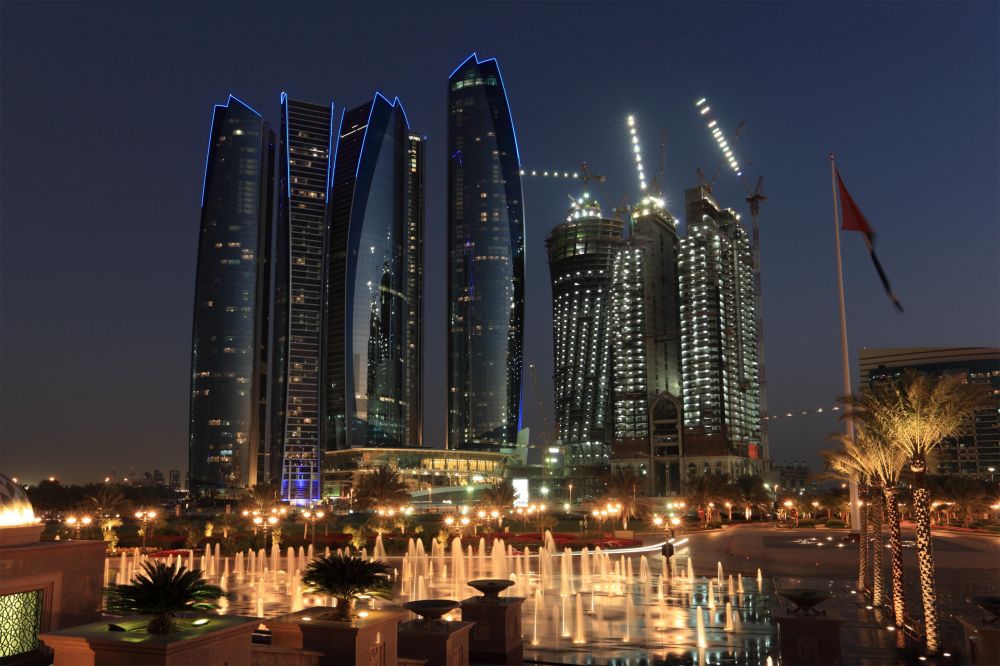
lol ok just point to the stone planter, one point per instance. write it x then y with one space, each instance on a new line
981 642
364 641
223 641
496 638
439 643
809 640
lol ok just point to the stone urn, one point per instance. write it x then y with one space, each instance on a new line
496 636
432 638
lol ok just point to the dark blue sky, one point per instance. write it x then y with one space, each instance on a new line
105 115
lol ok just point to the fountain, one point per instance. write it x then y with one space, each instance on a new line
629 610
632 611
579 636
539 608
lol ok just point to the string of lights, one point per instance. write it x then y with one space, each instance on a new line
551 174
804 412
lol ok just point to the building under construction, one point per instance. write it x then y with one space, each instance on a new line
719 341
582 253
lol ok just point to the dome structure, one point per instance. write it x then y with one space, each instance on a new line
15 507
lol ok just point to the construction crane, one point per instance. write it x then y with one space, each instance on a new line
755 196
709 184
583 174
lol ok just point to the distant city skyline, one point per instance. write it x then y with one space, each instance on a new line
96 330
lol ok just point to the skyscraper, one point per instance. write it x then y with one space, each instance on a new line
582 253
306 144
229 340
485 262
646 341
719 315
374 280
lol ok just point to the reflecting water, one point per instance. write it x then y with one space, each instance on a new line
581 607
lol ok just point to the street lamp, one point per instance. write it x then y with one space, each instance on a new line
78 523
311 517
571 494
145 517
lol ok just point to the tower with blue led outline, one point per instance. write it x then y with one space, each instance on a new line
374 281
485 261
230 326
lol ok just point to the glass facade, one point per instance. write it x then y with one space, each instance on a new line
485 262
719 315
229 341
306 144
582 254
373 286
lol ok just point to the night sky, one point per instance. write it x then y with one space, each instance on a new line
105 117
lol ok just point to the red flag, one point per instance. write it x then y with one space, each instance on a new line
852 219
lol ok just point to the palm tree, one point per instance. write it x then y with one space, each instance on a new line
345 577
887 466
848 463
261 497
749 493
623 486
884 464
162 591
705 490
917 413
500 496
107 500
968 496
382 486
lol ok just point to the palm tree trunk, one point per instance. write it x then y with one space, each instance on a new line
925 554
878 579
896 551
862 542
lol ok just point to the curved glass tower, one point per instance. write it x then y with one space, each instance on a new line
373 289
229 340
582 254
485 261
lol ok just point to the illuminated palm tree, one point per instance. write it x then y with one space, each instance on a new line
705 490
623 486
849 463
749 493
885 463
261 497
916 413
383 486
498 497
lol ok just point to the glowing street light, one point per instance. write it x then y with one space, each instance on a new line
145 517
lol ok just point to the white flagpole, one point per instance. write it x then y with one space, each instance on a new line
844 354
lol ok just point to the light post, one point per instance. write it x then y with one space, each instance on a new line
311 517
571 494
145 517
729 511
78 523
